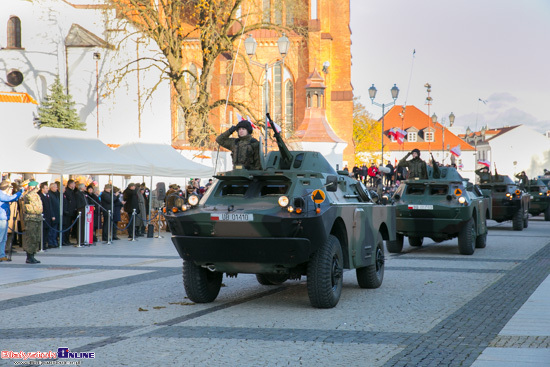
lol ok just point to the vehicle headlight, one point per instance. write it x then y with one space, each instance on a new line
290 209
462 200
193 200
283 201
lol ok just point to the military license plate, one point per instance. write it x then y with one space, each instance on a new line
232 217
421 207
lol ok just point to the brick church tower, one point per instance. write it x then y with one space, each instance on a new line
326 53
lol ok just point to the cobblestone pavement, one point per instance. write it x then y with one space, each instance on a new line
125 303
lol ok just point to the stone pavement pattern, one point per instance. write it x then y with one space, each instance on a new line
126 303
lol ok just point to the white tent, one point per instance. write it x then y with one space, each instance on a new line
19 158
164 160
79 155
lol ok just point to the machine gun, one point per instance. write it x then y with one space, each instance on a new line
286 157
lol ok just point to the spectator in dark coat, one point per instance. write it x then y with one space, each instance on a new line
54 204
389 175
106 201
47 214
129 196
70 210
117 205
93 200
81 202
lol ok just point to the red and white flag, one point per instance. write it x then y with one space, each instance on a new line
275 127
399 135
484 163
456 151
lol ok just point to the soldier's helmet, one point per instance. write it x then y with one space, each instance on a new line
245 124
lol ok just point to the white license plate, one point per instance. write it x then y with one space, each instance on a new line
232 217
421 207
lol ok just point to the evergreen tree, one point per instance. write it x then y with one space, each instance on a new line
57 110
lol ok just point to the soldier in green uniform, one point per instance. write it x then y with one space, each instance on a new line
32 211
484 175
417 167
245 150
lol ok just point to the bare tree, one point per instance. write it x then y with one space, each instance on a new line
215 26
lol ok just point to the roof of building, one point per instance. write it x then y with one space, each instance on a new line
412 118
489 133
16 97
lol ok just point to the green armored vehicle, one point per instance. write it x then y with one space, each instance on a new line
442 207
540 199
295 216
509 201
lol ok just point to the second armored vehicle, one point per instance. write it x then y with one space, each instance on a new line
442 207
540 199
296 216
510 202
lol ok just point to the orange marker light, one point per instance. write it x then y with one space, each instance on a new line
298 210
175 210
318 210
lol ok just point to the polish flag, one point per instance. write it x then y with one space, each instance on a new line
484 163
253 125
400 135
276 127
456 151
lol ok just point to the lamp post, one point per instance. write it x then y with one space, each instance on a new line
394 95
250 46
97 57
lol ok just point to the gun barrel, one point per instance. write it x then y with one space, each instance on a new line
286 157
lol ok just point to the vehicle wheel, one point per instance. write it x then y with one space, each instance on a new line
372 276
201 285
325 274
547 214
467 238
416 241
517 221
271 279
396 246
481 240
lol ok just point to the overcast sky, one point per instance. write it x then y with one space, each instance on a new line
494 50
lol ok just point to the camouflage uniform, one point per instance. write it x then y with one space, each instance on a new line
244 151
32 210
484 175
416 166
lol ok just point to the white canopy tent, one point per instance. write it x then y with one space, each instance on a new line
18 158
164 160
74 155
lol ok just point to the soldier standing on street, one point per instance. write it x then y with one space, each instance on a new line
245 150
417 167
32 210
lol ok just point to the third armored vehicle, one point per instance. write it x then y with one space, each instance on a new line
540 199
295 216
510 202
442 207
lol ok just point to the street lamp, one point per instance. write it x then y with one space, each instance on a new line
97 57
394 95
250 46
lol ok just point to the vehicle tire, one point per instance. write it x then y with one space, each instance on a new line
467 238
547 214
526 219
396 246
372 276
325 274
481 240
517 220
201 285
416 241
271 279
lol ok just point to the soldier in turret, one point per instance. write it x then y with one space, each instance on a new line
417 167
484 174
245 150
32 210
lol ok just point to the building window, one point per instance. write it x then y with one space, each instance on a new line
266 11
279 13
14 33
191 79
289 16
313 9
280 98
180 126
411 137
429 136
289 108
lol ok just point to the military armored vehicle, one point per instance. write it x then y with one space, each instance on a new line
296 216
540 199
510 202
442 207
